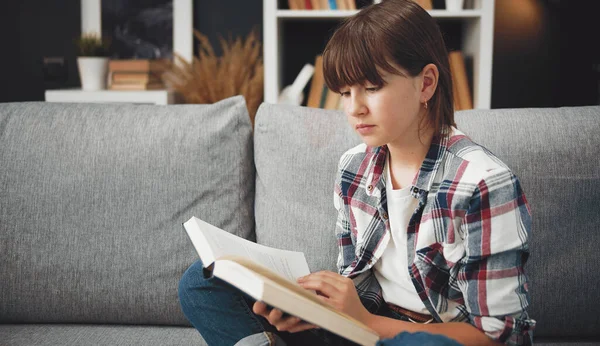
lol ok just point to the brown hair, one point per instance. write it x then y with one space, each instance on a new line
397 31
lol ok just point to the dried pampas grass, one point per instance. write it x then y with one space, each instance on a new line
210 78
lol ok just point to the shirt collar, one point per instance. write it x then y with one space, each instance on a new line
426 175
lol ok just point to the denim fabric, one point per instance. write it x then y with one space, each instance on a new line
418 339
215 309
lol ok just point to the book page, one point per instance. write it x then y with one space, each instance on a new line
289 264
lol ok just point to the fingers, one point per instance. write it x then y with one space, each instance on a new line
326 274
261 309
275 317
302 327
327 285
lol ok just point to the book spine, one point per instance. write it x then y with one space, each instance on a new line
460 79
316 85
323 98
332 5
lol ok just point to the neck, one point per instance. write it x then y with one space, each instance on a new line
407 157
411 152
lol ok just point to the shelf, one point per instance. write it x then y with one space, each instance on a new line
157 97
336 14
284 28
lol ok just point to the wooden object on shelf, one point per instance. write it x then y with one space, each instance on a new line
136 74
135 78
316 85
426 4
137 65
137 86
460 81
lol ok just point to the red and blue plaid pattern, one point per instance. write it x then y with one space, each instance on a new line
467 239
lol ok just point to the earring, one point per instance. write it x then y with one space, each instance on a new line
425 104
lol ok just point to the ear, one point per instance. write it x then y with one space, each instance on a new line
429 77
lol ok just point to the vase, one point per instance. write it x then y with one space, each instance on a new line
93 72
454 5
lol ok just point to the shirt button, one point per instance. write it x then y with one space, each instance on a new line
370 188
385 215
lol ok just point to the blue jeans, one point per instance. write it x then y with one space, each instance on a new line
223 316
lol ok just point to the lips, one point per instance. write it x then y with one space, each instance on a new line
364 129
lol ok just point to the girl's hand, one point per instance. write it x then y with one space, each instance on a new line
337 291
283 324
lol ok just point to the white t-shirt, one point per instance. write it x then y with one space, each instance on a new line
392 268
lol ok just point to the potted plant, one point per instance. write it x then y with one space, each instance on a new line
92 61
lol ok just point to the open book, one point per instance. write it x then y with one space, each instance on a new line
269 275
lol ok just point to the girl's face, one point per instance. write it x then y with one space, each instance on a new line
386 115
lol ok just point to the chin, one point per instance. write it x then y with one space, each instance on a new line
372 142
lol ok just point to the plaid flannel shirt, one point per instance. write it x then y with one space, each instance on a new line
467 239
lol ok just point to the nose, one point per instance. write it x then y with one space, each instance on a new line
355 105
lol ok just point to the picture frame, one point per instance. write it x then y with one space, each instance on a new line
91 21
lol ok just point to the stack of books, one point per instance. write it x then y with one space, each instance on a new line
136 74
322 4
338 4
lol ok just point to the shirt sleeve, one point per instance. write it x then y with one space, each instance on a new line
343 231
496 230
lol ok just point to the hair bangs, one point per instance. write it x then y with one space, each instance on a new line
350 59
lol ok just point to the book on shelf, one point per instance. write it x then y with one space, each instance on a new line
426 4
269 275
137 86
136 74
138 65
135 77
317 84
294 5
460 82
321 4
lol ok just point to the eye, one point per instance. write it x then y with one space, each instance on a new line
372 89
345 93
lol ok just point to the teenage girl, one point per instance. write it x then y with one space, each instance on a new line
433 229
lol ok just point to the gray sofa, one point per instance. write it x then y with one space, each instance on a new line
92 198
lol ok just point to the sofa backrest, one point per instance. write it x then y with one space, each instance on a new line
92 201
554 152
297 150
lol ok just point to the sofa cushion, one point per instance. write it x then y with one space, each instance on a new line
297 150
93 198
554 152
93 335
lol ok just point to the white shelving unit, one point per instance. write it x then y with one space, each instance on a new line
156 97
477 43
